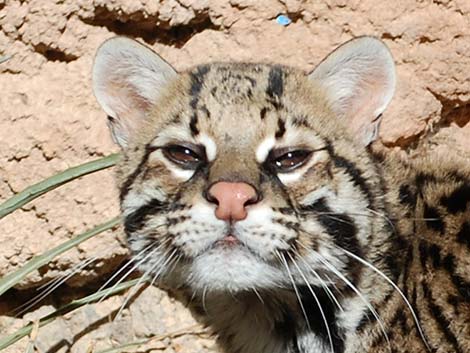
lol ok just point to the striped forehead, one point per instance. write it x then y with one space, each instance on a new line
226 101
232 107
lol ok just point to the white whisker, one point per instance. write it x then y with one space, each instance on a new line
304 312
384 276
258 295
52 286
126 265
322 283
357 291
143 278
317 301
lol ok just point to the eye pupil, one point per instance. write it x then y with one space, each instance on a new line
183 156
290 160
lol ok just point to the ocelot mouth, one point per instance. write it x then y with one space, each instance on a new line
228 241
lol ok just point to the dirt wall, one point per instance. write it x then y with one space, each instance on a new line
50 121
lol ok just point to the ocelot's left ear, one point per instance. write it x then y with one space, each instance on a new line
359 79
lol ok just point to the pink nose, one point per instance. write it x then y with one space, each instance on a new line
232 199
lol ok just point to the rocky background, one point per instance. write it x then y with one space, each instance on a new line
50 121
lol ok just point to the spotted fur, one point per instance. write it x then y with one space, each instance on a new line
321 248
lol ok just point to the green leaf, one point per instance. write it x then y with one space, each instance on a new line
13 278
75 304
36 190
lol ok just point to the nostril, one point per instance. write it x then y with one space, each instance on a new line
252 200
209 197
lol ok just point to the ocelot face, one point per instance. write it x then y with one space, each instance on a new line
241 176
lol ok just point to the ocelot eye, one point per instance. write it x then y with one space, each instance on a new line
185 156
283 162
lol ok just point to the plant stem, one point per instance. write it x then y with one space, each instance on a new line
36 190
75 304
13 278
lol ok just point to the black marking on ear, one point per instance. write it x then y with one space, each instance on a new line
442 321
463 236
193 125
281 129
354 172
136 220
263 112
433 219
126 186
458 200
197 80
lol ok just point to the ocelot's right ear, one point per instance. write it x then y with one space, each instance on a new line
128 78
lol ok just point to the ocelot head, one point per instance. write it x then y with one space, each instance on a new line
239 176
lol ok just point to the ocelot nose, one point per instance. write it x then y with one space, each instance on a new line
232 199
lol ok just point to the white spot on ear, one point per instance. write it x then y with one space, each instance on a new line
263 149
209 144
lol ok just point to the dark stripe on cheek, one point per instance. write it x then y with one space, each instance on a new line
318 206
137 219
339 225
354 172
275 82
126 186
343 230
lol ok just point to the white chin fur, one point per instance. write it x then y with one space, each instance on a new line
232 269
